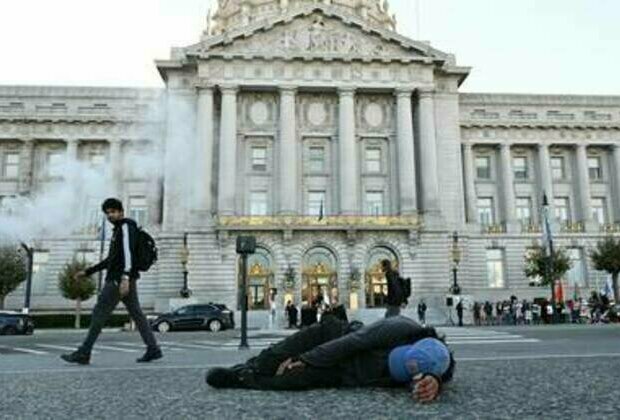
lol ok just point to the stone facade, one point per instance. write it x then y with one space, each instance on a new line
337 142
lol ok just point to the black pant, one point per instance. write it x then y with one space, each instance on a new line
106 302
260 372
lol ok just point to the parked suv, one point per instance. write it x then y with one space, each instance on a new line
211 316
15 323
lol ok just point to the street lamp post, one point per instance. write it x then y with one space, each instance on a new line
30 262
456 260
246 245
185 291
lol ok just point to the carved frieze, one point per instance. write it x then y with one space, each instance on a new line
258 110
375 112
318 111
314 35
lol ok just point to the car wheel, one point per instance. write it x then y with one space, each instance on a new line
9 331
215 325
163 327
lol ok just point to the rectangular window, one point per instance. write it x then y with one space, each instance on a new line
138 210
562 209
374 203
558 170
11 165
519 165
373 159
576 276
495 268
54 164
317 159
599 210
595 170
483 167
316 199
258 203
486 214
524 210
259 159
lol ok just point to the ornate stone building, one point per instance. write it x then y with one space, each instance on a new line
337 142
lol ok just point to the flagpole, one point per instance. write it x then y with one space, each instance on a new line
549 251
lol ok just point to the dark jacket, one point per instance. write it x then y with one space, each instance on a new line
120 255
362 356
396 295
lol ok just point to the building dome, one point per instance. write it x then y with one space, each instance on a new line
232 14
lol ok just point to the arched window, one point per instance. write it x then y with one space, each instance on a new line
319 277
260 280
376 283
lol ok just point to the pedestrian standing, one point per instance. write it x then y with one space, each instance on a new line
120 285
459 312
422 312
488 310
396 294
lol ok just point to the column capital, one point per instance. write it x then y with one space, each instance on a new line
229 89
205 87
403 92
288 89
425 92
346 91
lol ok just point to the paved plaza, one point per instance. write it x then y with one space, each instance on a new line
530 372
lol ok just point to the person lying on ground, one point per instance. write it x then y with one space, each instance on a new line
392 352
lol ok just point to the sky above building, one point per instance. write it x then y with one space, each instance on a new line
517 46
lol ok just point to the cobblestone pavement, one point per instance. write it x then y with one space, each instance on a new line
551 372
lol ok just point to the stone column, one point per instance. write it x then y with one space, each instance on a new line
203 164
348 156
288 153
428 152
228 151
584 184
72 149
406 153
546 179
508 186
116 165
616 157
26 169
471 202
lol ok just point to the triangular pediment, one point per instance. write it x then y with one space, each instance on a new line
320 32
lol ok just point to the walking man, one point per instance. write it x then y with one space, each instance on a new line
396 294
120 285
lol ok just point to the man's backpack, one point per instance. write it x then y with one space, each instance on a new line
146 250
405 286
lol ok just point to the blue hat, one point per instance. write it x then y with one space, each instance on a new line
427 356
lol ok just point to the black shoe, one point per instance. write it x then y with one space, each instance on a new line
151 355
224 378
76 357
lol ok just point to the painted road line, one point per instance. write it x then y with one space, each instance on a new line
524 340
139 345
186 345
56 347
24 350
112 348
